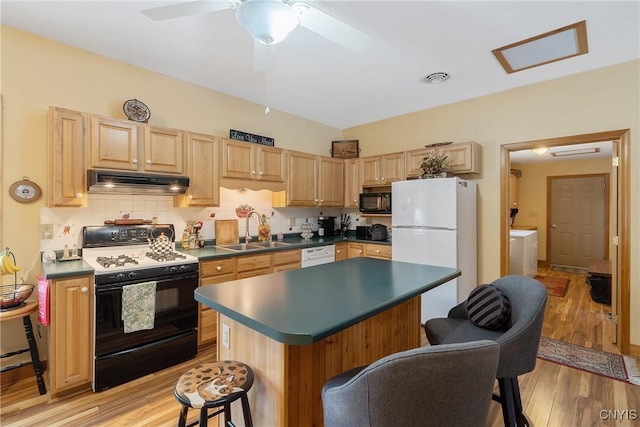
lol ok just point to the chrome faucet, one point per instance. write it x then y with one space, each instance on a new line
247 237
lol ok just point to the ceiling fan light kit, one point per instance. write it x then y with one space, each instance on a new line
267 21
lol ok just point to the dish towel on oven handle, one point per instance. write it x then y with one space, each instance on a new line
138 306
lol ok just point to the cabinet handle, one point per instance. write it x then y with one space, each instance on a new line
78 195
149 162
377 251
321 200
190 196
219 268
134 161
316 200
383 178
338 251
359 251
261 173
84 289
253 172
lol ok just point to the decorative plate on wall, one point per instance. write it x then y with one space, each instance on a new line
136 110
25 191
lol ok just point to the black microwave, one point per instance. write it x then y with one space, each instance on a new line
375 202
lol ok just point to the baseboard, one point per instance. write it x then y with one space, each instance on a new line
14 375
635 350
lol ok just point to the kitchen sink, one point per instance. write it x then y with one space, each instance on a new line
252 246
269 244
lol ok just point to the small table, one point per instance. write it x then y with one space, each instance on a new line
25 312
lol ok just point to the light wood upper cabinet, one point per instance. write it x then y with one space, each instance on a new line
312 181
352 187
413 159
464 157
330 181
203 154
71 334
163 150
244 160
127 145
114 143
382 170
67 184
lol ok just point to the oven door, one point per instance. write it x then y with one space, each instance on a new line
176 312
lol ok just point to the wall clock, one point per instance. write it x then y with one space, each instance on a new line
25 191
136 110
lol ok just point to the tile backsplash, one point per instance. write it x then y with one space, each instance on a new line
63 226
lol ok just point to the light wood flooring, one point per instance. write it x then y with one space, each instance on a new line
552 395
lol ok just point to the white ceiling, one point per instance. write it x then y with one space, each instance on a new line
319 80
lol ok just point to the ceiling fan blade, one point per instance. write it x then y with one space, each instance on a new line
331 28
184 9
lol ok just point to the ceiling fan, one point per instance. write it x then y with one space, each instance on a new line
270 21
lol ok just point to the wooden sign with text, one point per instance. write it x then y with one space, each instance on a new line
249 137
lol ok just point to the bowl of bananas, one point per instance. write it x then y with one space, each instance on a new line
12 296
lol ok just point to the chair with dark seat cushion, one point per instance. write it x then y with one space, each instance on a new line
518 339
447 385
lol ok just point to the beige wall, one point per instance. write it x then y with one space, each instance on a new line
37 73
532 191
605 99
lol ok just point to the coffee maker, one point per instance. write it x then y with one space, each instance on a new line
326 226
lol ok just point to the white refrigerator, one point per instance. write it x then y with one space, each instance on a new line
434 222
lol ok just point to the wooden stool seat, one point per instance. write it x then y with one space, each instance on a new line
24 311
214 385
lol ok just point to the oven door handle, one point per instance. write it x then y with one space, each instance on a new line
107 289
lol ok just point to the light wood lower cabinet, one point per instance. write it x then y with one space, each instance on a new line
287 260
212 272
254 265
342 251
71 335
371 250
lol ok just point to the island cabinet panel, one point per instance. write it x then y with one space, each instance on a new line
212 272
289 378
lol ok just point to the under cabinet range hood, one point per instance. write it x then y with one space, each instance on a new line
118 182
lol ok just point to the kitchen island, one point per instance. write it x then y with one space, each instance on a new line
298 328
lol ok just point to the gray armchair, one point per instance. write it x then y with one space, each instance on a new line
518 341
447 385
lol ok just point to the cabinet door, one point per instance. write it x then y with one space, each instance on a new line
370 171
238 159
352 188
330 181
66 150
356 250
413 159
71 339
377 251
342 251
270 163
114 143
301 183
212 272
202 164
464 157
163 150
392 166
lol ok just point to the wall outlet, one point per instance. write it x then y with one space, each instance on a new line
46 231
226 332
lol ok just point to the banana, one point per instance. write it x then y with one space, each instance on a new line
2 257
7 266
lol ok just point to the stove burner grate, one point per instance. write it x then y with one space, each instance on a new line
119 261
172 256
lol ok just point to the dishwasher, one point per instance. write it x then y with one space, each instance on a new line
318 255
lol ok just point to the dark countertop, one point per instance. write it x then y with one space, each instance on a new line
302 306
57 270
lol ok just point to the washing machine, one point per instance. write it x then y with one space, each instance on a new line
523 253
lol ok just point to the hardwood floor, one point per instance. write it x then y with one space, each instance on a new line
552 395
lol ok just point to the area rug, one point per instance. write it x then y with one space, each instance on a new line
597 362
556 286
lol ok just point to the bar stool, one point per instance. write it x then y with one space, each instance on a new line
214 385
25 312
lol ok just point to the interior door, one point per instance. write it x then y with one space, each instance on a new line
577 220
